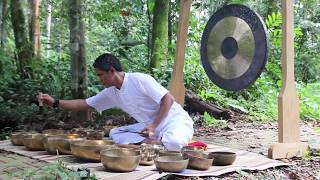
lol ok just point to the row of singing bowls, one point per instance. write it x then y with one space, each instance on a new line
90 149
120 159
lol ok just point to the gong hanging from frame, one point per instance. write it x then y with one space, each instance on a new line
234 47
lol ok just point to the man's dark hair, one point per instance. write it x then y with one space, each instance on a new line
105 61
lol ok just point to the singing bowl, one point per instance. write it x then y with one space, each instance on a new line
169 153
107 129
198 160
120 159
50 144
171 163
221 158
34 142
192 148
95 134
54 131
17 138
64 144
90 149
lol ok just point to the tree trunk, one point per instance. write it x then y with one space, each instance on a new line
3 16
170 28
159 33
149 10
48 28
195 104
78 60
18 9
35 27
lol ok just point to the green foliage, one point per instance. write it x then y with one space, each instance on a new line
53 171
107 30
309 101
307 156
210 120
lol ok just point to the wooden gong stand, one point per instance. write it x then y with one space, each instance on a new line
289 144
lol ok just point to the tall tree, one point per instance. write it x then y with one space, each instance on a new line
18 9
35 27
78 56
159 33
48 27
3 17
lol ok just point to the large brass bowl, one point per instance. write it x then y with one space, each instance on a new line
50 144
171 163
90 149
221 158
17 138
34 142
64 144
198 160
120 159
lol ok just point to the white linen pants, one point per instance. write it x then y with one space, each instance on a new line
175 131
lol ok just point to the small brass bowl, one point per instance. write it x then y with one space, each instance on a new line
64 144
54 131
198 160
17 138
221 158
169 153
192 148
95 135
120 159
171 163
90 149
107 129
34 142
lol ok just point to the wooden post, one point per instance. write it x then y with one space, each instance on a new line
176 85
289 144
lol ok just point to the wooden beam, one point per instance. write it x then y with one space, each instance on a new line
176 85
288 102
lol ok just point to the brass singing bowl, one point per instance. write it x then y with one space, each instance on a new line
221 158
64 144
171 163
54 131
17 138
90 149
34 142
107 129
120 159
50 144
192 148
169 153
198 160
95 134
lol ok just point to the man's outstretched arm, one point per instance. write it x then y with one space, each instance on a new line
74 105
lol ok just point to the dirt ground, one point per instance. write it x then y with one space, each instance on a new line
258 137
